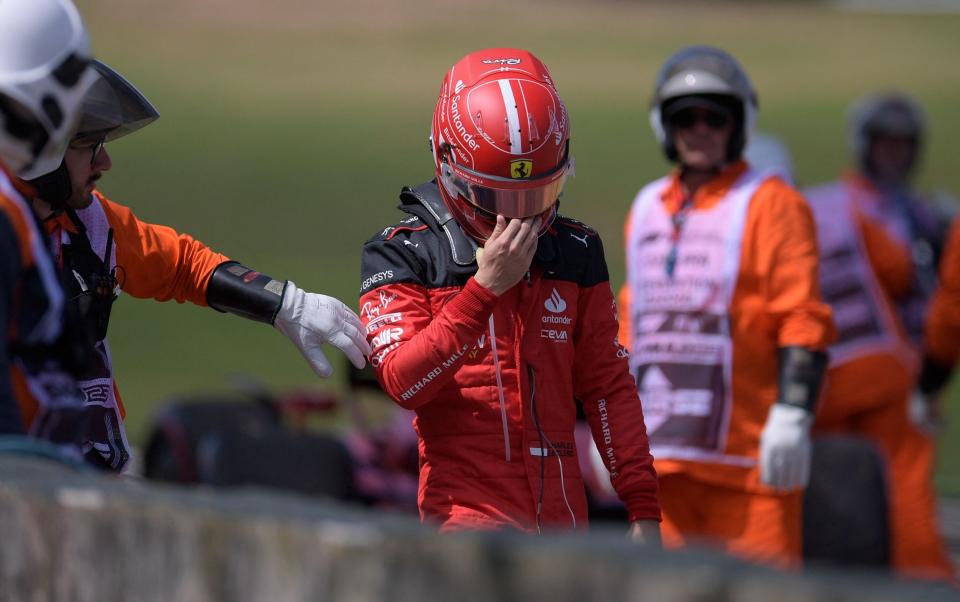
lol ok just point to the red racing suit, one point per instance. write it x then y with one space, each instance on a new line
495 381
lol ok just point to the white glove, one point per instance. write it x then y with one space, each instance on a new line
785 448
924 413
309 320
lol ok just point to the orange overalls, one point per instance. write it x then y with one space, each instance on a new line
873 370
774 302
943 324
151 261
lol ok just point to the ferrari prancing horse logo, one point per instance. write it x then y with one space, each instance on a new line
521 168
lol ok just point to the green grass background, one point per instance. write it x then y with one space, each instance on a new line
289 126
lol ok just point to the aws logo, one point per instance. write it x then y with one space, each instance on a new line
521 168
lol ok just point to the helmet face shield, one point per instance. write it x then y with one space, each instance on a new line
501 196
113 107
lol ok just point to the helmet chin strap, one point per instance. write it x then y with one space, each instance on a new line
54 188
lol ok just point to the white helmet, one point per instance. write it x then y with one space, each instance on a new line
44 54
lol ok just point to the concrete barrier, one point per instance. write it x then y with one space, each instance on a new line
82 537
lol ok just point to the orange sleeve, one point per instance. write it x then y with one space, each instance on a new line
943 325
781 263
157 262
890 260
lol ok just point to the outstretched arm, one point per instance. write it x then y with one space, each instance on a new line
157 262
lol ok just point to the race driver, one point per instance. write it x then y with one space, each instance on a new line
492 316
723 317
103 249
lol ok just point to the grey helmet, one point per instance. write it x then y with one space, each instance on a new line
112 108
710 72
889 113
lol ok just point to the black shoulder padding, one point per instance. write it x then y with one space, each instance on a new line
426 197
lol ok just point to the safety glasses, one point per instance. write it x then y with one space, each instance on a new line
94 145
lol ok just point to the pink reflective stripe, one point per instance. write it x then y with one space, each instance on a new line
864 323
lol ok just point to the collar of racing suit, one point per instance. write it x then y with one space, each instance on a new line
424 201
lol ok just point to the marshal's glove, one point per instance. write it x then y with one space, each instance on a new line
785 449
310 319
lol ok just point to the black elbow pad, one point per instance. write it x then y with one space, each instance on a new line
237 289
801 374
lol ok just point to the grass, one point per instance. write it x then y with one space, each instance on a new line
288 127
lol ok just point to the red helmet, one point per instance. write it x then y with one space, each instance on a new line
501 140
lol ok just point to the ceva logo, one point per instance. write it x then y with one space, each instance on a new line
555 303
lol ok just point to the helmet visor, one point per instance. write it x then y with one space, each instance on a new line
113 107
512 198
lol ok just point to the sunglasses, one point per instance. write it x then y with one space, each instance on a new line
688 118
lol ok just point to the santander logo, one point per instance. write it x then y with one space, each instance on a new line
555 303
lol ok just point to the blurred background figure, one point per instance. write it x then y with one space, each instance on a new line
887 135
103 249
44 56
723 317
767 153
879 243
942 341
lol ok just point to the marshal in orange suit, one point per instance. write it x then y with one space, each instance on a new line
722 313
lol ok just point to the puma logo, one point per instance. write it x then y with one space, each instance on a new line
583 240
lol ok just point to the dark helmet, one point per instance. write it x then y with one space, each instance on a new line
697 74
889 114
112 108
